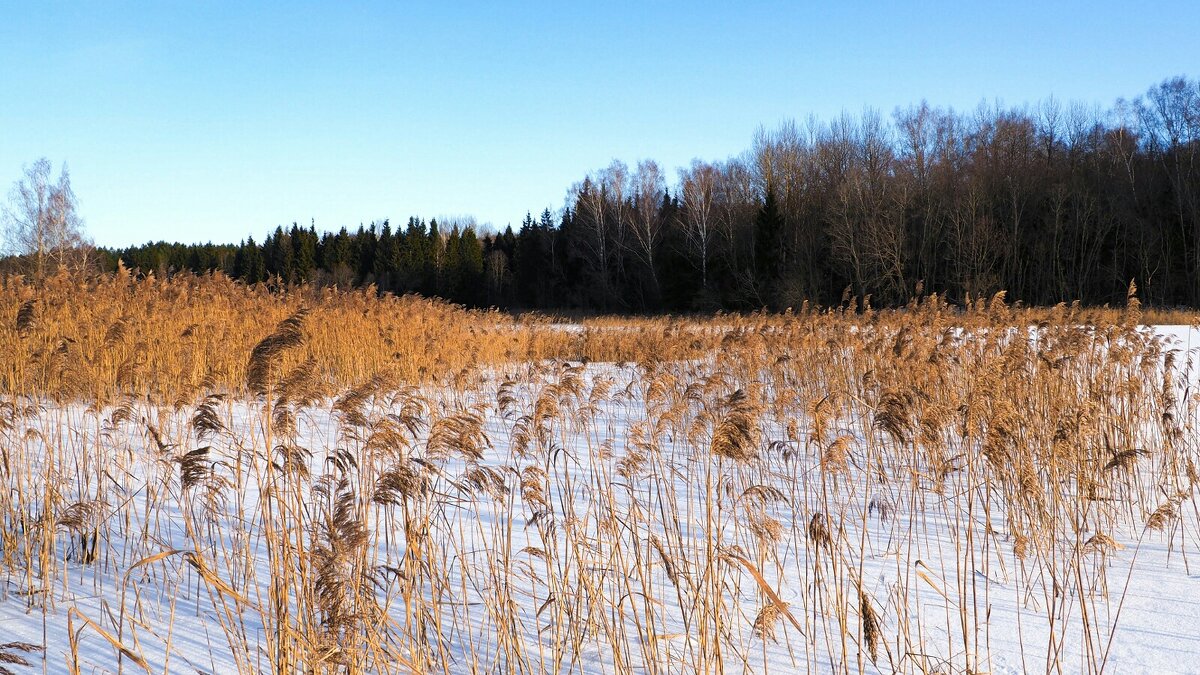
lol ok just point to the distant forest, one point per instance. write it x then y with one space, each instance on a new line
1050 202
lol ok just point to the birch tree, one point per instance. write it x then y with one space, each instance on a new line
40 220
698 186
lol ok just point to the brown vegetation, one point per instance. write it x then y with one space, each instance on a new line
477 504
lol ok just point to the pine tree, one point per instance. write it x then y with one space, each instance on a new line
304 253
437 260
367 242
527 263
453 277
252 268
415 264
387 254
768 247
471 267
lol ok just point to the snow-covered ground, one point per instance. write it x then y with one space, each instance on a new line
566 518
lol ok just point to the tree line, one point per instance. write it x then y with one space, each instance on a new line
431 259
1050 202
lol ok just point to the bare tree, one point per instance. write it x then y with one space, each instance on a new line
40 221
867 228
615 186
737 204
1170 120
698 186
649 187
917 127
497 274
591 207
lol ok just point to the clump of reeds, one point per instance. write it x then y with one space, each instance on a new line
16 654
736 435
398 484
264 364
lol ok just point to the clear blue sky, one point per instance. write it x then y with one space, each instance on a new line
197 121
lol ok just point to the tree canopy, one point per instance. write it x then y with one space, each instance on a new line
41 226
1050 202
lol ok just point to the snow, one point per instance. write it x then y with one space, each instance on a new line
624 472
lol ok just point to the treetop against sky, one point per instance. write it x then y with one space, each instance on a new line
208 121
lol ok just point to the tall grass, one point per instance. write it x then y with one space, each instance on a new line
328 481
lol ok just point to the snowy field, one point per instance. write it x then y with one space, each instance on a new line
803 510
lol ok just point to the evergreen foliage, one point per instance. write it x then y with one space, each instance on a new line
1051 203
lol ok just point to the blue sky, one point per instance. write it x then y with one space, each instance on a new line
204 121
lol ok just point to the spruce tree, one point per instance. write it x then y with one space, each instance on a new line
768 247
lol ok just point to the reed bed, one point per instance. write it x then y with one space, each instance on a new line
208 477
